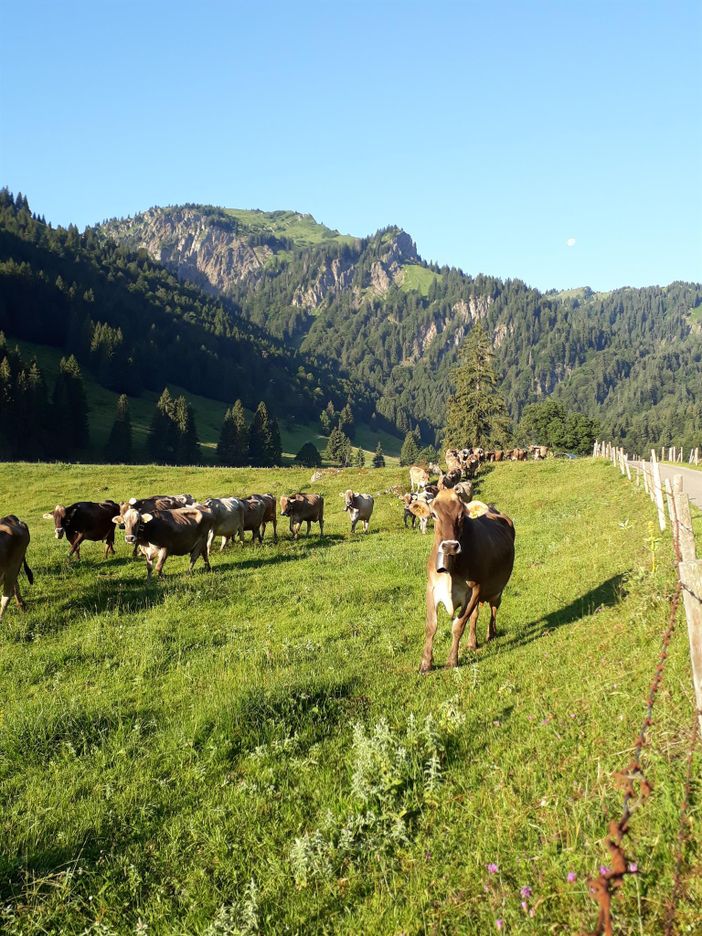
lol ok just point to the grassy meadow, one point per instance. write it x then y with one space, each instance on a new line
254 751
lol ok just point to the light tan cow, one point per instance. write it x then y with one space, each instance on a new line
419 478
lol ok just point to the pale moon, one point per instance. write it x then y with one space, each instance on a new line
571 242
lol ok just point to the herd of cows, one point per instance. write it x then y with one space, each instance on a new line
470 562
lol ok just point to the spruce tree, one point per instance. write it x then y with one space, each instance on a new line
409 453
264 439
118 448
188 444
338 448
476 413
379 457
70 408
233 445
162 441
309 456
359 458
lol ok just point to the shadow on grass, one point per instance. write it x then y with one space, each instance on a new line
605 595
256 557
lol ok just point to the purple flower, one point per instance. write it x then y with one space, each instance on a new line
526 892
499 924
572 877
525 906
492 868
604 870
633 868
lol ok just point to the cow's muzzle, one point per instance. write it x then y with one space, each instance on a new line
58 532
130 538
447 549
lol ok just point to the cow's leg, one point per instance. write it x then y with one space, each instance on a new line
162 556
429 631
457 628
75 545
149 566
18 597
353 525
321 526
474 606
309 527
365 524
110 542
492 623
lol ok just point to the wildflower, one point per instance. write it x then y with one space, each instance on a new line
525 906
492 868
499 924
633 868
526 892
572 877
604 870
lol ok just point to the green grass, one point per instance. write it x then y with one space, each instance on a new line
181 757
300 228
418 278
209 415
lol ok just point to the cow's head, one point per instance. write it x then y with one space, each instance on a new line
408 499
132 522
449 514
58 515
286 504
349 500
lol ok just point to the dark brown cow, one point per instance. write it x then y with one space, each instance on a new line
162 502
85 520
14 539
307 508
470 562
168 532
270 515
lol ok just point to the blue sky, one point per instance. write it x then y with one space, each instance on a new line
493 132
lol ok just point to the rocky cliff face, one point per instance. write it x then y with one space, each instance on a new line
194 247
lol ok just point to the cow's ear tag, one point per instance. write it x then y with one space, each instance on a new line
476 509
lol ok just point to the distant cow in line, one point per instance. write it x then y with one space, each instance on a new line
168 532
270 514
228 519
419 478
426 497
471 562
162 502
303 508
360 506
538 452
85 520
14 540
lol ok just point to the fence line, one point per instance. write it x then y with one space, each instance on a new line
689 588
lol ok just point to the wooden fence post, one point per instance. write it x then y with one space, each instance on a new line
691 579
683 518
658 490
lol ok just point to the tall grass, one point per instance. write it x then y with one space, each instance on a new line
253 750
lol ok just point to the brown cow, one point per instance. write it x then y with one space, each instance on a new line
471 562
176 532
85 520
255 511
301 508
270 515
14 539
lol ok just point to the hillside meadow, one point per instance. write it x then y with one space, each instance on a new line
254 751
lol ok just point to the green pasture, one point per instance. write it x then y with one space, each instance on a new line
253 750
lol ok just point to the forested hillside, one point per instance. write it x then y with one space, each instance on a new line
631 357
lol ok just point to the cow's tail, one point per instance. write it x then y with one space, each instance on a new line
28 572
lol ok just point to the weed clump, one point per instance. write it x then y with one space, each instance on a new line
395 775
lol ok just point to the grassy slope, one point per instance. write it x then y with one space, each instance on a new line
209 415
300 228
163 745
417 277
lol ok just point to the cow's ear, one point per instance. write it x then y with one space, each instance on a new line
419 509
147 517
476 509
117 519
47 516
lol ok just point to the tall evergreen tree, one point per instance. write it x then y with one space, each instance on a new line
379 457
118 448
70 408
162 441
409 453
338 448
188 445
476 413
264 439
233 445
359 458
309 456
